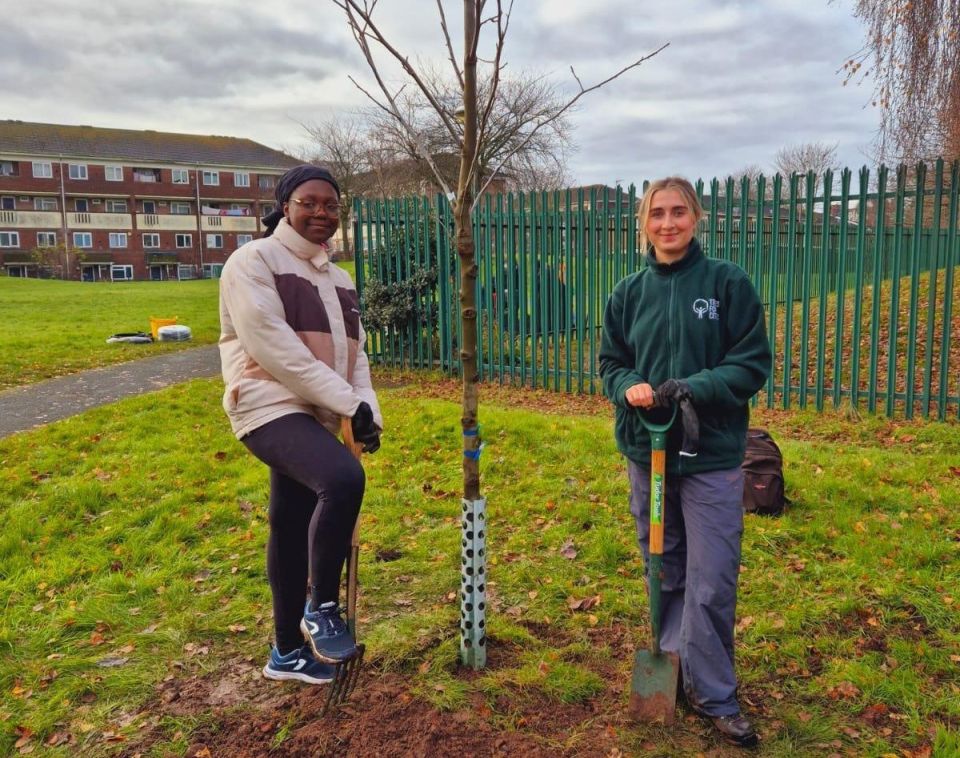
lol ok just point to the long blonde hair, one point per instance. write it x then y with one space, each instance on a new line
677 183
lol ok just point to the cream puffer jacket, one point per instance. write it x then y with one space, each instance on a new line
290 335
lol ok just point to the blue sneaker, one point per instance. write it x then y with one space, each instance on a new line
326 633
298 665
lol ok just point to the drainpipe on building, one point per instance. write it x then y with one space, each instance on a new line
63 218
196 184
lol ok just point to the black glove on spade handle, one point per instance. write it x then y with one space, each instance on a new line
679 392
365 431
670 392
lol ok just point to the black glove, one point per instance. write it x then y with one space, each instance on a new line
679 392
365 431
672 391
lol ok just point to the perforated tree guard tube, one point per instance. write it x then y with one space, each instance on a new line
473 584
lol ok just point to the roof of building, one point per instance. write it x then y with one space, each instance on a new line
55 140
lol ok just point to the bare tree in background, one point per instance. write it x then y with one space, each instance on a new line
341 145
471 131
751 173
811 156
913 53
527 134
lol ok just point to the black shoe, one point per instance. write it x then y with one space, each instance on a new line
735 729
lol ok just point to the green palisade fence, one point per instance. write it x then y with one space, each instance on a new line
857 271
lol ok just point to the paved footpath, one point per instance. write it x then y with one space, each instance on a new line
54 399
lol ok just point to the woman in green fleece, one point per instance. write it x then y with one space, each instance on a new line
689 327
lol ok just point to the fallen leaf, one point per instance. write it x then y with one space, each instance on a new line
237 628
57 738
843 690
874 713
568 550
583 604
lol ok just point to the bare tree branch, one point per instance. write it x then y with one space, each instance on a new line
583 91
913 53
446 37
365 15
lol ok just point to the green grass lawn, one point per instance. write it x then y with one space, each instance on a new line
132 553
50 328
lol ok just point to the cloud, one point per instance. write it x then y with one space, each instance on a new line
738 81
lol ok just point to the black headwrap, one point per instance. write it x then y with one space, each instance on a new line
288 183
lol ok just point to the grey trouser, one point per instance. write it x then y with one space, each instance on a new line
703 523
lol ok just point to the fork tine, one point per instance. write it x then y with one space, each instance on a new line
345 679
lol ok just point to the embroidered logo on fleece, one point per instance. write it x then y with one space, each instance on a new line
709 308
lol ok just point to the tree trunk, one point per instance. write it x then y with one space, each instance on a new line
463 230
346 209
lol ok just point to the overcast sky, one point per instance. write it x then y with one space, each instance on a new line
739 80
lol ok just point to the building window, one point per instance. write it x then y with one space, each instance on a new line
151 241
214 240
42 170
46 239
149 206
115 206
181 176
241 179
113 173
266 209
243 239
8 203
118 239
80 205
121 273
82 239
184 240
211 178
148 175
266 182
180 209
9 239
9 168
44 203
78 170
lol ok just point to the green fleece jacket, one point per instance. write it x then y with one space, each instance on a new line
700 320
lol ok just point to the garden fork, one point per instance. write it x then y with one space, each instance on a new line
347 672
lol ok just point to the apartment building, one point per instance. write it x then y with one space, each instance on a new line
94 204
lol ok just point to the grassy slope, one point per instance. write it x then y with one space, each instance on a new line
133 550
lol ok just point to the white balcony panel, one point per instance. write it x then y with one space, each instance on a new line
228 223
99 221
30 219
167 222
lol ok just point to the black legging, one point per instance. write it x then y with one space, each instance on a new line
316 487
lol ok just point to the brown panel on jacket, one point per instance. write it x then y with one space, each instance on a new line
350 305
303 308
